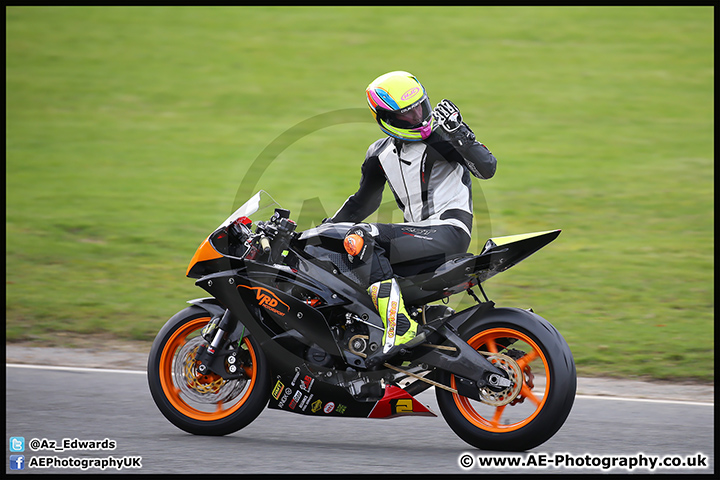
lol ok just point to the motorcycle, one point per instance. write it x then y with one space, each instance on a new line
290 326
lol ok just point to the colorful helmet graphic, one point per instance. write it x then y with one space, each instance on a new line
400 105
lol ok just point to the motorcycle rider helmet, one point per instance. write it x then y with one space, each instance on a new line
401 107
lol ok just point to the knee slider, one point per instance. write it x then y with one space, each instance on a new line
359 242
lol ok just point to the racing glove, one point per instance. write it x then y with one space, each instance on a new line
451 127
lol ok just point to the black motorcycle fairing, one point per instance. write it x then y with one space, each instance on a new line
356 303
288 312
464 272
246 291
302 391
224 287
341 302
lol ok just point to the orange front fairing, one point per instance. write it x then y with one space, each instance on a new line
204 253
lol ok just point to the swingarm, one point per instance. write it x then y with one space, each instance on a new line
472 370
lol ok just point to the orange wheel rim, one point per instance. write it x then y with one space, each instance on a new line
173 392
507 418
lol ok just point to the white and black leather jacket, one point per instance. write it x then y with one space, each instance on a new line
430 180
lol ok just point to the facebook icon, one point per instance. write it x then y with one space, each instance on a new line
17 462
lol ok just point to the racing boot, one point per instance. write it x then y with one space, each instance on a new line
401 331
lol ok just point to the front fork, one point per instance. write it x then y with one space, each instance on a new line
212 357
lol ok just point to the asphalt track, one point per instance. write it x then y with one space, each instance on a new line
80 404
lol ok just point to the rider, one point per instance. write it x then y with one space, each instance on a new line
426 158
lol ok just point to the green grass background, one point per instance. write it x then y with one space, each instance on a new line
130 131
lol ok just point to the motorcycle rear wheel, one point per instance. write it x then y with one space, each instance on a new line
204 404
543 367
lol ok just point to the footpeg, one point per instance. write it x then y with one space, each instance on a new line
379 358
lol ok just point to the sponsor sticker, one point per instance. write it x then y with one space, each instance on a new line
410 93
286 395
296 398
269 301
305 402
307 383
277 389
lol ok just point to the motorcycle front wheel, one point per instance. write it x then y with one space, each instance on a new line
204 404
523 416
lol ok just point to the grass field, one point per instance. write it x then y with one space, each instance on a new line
131 132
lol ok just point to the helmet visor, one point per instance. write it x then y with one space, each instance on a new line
409 117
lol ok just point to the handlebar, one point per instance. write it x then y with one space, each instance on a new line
274 235
265 244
